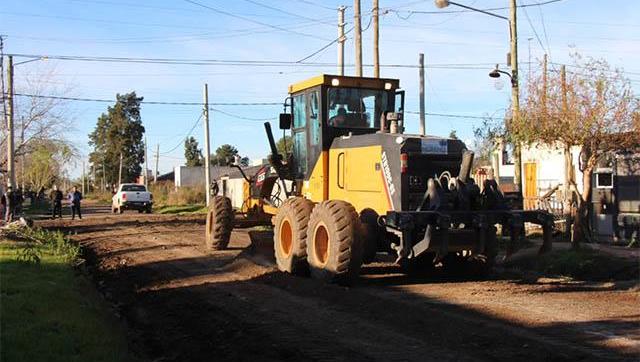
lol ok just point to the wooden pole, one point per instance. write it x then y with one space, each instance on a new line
146 163
155 174
423 129
376 38
120 171
207 156
358 37
341 40
10 140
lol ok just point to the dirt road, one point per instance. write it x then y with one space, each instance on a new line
183 304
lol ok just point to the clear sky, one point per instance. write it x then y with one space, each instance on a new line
288 31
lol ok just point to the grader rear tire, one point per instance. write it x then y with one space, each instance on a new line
219 223
290 235
334 242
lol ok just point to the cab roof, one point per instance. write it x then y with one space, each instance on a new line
345 81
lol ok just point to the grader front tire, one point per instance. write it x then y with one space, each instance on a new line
334 242
290 235
219 223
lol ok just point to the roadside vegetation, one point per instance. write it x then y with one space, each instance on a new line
50 311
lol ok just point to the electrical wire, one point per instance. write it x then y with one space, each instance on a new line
223 12
151 102
187 135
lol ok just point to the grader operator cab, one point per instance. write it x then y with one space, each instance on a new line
355 185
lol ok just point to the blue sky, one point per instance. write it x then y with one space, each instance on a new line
179 29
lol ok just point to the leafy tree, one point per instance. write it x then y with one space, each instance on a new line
119 132
192 153
226 155
46 162
284 145
594 109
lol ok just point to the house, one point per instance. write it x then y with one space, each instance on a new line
185 176
615 206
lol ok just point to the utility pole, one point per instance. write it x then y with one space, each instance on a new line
93 177
376 38
544 85
104 184
120 171
83 178
358 36
207 155
341 40
568 161
146 163
10 141
423 129
155 174
515 95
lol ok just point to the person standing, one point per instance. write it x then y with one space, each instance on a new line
19 195
10 196
75 197
56 201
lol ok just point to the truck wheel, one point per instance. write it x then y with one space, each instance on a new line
372 234
219 223
290 235
334 242
148 210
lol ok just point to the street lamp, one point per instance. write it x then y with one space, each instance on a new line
495 73
515 93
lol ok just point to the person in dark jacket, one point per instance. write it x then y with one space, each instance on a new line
75 197
56 202
11 198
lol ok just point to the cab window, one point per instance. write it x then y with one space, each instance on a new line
356 107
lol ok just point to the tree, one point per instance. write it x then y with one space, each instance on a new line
226 155
192 153
593 108
284 145
37 119
119 132
46 163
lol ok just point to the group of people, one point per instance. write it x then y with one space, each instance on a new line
74 197
11 202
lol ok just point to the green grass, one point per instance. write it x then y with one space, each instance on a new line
582 264
181 209
50 312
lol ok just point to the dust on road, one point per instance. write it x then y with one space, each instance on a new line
182 303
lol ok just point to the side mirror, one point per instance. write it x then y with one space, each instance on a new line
285 121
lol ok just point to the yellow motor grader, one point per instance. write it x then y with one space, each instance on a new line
355 184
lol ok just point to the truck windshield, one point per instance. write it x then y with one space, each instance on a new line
356 107
139 188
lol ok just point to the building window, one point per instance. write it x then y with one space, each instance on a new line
604 180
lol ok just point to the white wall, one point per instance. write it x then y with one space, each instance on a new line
550 169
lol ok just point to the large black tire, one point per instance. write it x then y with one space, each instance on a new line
290 235
372 236
219 223
334 242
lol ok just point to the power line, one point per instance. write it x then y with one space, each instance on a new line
187 135
230 62
150 102
223 12
411 12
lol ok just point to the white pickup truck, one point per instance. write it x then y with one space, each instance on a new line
132 197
